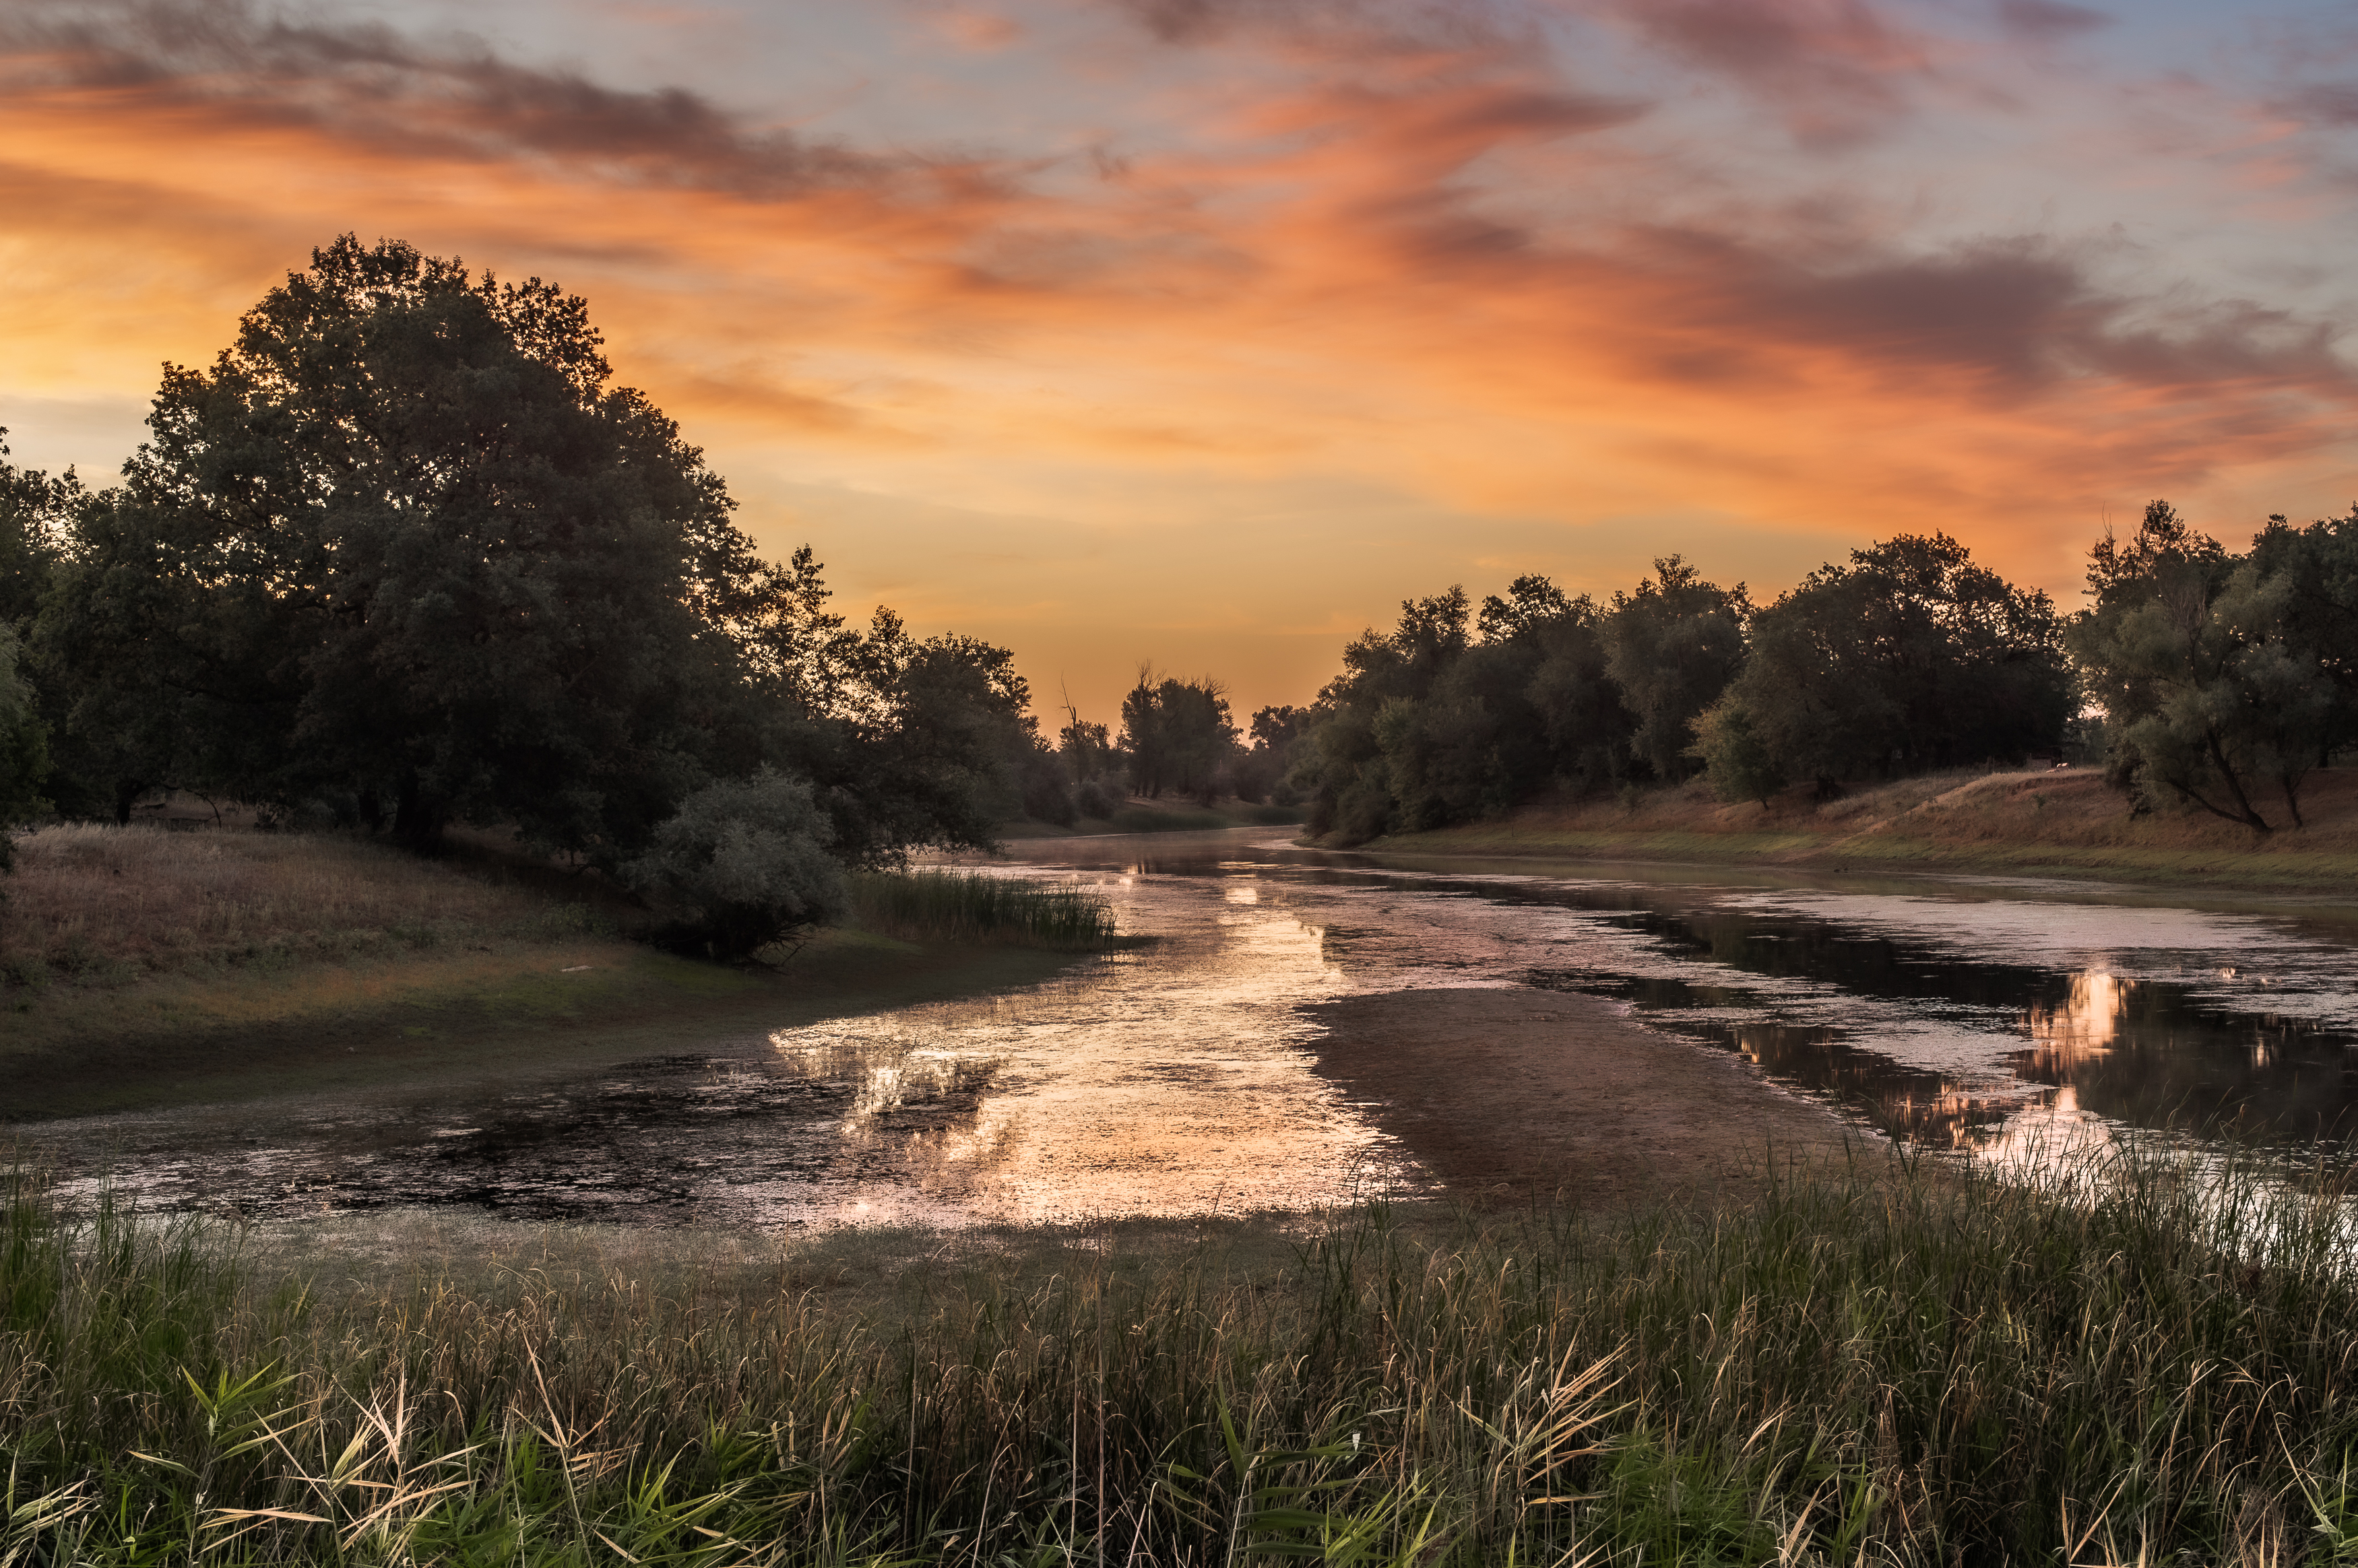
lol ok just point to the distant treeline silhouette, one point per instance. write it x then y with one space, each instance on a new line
2200 677
403 557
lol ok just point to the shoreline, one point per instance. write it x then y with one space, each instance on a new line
559 1011
2005 825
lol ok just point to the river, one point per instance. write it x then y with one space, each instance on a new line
2008 1017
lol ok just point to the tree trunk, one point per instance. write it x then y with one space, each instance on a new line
418 819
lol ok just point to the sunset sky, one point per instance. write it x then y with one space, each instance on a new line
1204 332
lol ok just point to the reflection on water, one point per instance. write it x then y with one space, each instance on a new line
2016 1020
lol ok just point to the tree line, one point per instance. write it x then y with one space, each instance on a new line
404 556
2201 677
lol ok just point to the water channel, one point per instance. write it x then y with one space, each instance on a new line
1182 1076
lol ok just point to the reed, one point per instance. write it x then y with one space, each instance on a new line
1868 1366
970 906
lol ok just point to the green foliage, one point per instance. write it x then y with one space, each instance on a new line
1673 644
2216 674
404 555
1737 759
1909 658
402 542
1177 735
1890 1365
23 745
741 865
1426 727
970 906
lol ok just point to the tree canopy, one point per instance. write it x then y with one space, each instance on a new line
404 554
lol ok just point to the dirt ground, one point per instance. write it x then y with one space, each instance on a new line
1509 1096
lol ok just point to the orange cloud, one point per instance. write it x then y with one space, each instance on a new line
1373 304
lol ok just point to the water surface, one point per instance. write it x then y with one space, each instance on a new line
1181 1077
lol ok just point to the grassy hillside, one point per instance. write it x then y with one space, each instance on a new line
2060 823
140 967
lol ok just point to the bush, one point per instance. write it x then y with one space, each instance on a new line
1093 798
1737 760
742 864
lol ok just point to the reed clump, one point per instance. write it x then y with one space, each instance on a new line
1911 1369
972 906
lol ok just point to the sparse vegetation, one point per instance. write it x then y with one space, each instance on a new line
1900 1366
2045 821
97 906
971 906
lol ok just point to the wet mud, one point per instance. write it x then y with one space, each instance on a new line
1512 1096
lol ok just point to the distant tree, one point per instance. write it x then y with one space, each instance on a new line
1671 646
2213 679
35 515
1909 658
2318 570
1427 726
1177 734
1275 731
24 748
1578 704
1735 759
36 512
1344 766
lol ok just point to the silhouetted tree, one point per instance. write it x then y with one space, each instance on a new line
1275 731
1671 645
402 550
2210 681
1177 734
1909 658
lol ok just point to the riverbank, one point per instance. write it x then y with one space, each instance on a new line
2063 823
142 968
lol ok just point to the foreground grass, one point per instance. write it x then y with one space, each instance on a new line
1865 1367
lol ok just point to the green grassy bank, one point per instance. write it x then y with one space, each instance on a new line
2046 824
1865 1367
141 969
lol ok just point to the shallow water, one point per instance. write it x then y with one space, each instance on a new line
1179 1077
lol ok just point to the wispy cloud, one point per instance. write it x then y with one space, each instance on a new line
1557 262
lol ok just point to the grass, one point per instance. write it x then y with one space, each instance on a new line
970 906
2044 822
1140 815
96 907
1869 1366
141 967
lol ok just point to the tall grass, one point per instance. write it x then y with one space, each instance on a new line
969 906
1874 1367
97 904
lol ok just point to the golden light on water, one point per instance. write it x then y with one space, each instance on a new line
2086 1023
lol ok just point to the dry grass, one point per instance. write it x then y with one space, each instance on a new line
1870 1366
101 906
2062 821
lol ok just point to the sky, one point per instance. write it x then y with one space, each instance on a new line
1205 331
